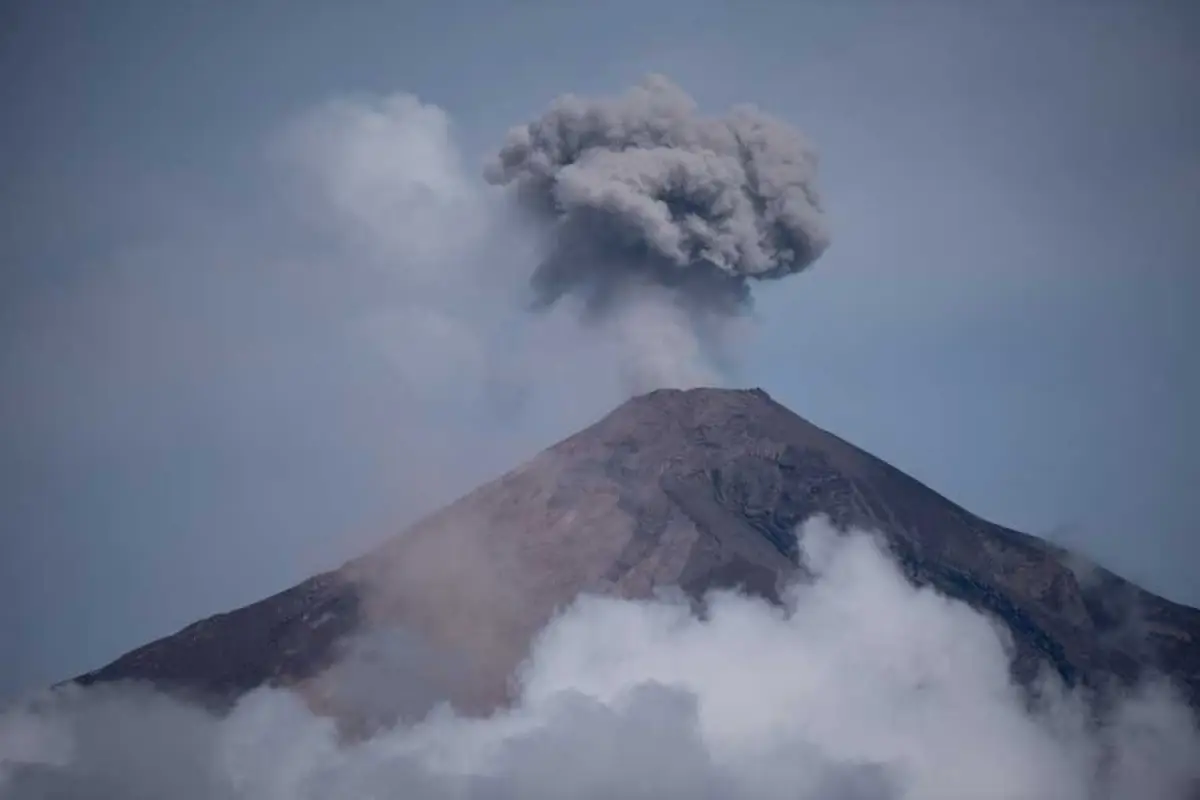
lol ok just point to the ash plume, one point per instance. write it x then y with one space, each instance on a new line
642 193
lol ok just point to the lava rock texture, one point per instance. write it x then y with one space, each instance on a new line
694 489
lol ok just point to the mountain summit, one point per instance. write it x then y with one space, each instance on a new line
694 490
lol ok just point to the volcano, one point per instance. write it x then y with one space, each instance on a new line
674 490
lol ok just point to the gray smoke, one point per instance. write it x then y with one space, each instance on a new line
641 191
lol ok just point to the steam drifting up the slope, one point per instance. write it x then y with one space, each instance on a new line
859 687
649 203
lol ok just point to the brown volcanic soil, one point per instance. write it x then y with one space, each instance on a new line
693 489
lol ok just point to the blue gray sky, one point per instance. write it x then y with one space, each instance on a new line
224 368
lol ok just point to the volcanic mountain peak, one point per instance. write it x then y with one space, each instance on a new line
696 489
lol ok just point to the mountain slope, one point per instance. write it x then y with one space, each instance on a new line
697 489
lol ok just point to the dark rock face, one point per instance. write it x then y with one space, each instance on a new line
277 641
697 489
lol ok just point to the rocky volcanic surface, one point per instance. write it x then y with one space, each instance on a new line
692 489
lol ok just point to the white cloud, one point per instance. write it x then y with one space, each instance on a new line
386 174
862 686
384 178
